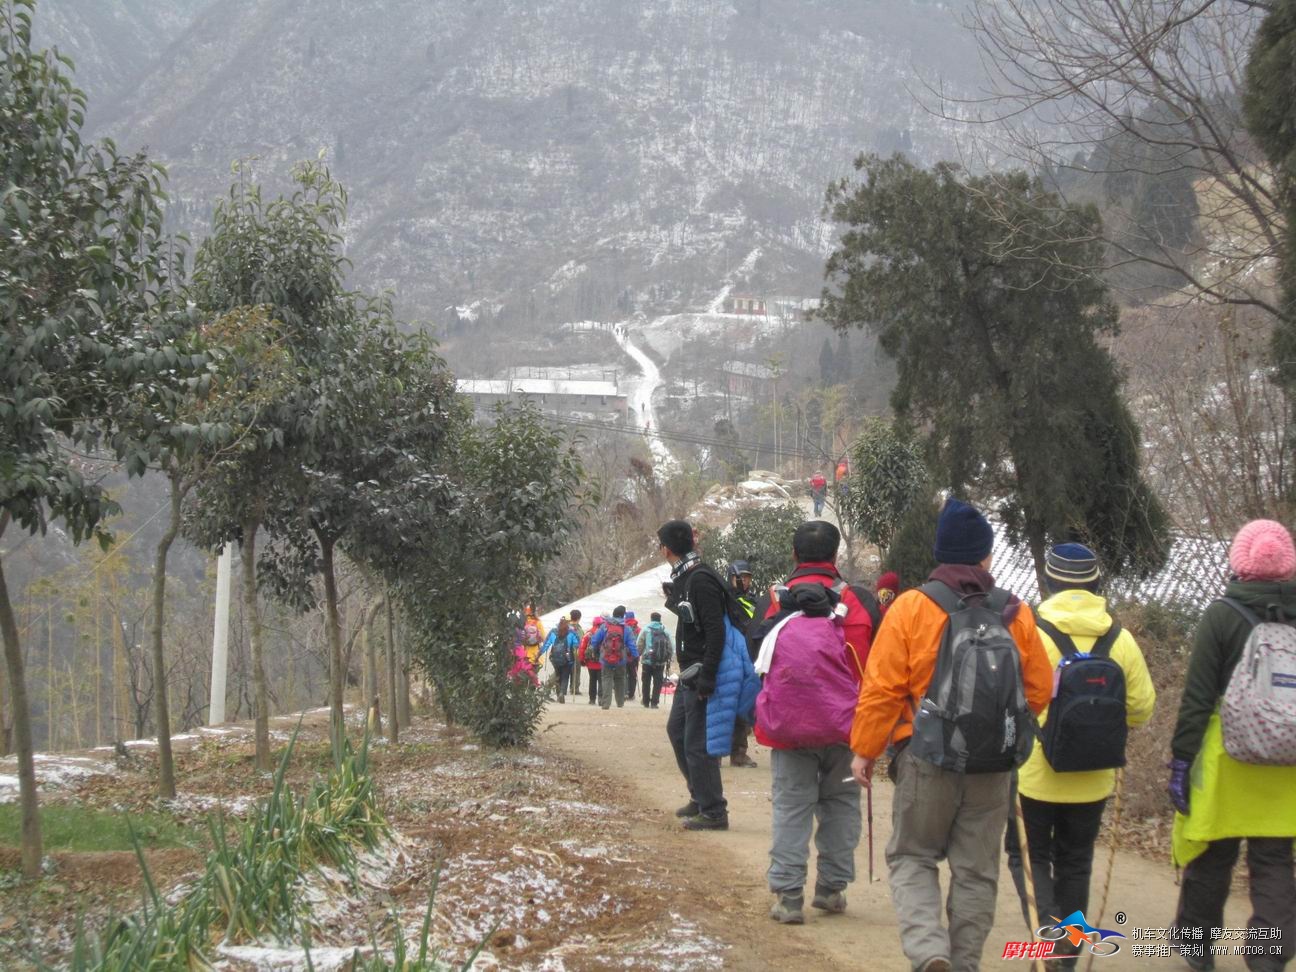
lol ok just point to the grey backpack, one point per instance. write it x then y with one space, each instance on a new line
974 717
1258 712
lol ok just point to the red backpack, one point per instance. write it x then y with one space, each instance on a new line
612 650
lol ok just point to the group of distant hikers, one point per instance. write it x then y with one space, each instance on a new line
819 486
1001 725
621 657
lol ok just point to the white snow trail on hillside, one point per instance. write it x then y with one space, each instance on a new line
641 403
744 268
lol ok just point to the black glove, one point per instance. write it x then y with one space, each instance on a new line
705 686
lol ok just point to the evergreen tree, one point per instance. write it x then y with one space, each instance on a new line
827 373
995 341
1269 105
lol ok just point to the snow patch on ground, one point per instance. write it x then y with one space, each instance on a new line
201 804
287 959
53 772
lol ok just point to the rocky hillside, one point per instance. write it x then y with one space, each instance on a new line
536 161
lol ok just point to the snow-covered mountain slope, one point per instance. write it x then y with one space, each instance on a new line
562 159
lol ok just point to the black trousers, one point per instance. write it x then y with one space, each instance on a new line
1060 837
1205 887
686 729
595 680
632 677
562 678
652 683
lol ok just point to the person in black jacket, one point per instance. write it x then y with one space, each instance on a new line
696 595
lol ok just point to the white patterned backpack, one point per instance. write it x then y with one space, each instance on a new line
1258 713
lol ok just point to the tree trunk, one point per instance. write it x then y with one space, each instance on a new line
337 717
252 615
22 737
161 713
393 721
373 706
403 686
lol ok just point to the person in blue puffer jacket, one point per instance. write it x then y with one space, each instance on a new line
720 687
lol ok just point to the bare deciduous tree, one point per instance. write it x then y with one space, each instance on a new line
1137 106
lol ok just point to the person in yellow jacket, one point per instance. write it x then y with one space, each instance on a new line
1063 811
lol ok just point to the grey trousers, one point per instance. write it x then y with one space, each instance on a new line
614 683
808 785
938 814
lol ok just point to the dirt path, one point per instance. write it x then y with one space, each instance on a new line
727 870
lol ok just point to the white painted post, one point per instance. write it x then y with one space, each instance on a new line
220 637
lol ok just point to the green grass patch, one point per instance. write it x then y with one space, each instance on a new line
76 828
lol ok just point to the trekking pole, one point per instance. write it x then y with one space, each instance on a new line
869 798
1111 857
1031 910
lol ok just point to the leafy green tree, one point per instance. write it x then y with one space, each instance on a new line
490 528
84 297
909 553
888 475
1269 106
283 256
762 536
995 337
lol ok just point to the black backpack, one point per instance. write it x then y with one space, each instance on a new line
659 647
1086 727
974 717
561 652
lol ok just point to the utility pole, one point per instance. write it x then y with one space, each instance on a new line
220 638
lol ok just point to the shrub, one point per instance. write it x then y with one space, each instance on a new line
762 537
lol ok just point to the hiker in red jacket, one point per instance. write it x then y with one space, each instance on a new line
805 718
818 492
587 656
814 545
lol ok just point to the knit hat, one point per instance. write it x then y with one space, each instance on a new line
888 586
1071 565
963 535
1262 550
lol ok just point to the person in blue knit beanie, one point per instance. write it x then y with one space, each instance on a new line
963 535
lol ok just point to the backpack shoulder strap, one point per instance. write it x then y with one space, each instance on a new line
1103 646
1250 616
943 595
868 600
1060 638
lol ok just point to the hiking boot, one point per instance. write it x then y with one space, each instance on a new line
833 902
787 909
689 809
654 705
937 964
702 822
743 762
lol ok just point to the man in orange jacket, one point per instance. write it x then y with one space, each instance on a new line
941 813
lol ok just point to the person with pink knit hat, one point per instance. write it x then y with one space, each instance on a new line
1222 801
